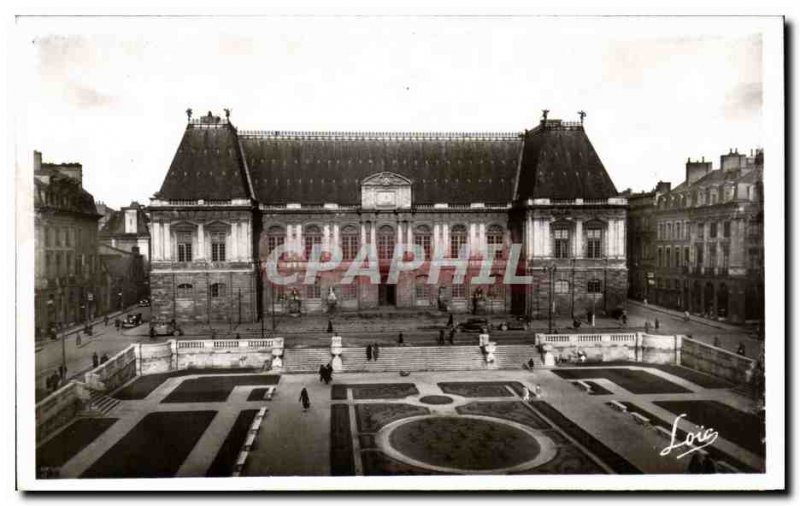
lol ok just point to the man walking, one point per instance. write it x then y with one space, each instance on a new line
322 373
441 337
304 399
452 336
328 373
369 352
375 351
95 359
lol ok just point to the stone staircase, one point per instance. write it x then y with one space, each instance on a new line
390 359
513 356
100 404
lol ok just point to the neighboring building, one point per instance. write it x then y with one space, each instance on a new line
105 213
230 197
127 276
700 246
67 267
127 229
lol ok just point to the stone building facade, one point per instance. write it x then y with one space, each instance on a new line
699 246
231 197
127 229
68 274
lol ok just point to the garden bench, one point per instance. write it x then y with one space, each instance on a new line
643 420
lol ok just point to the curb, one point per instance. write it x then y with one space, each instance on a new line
696 319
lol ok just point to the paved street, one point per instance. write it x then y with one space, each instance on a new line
106 340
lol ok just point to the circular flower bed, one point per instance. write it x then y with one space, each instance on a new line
436 399
464 443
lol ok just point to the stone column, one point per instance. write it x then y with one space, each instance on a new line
156 253
446 238
234 241
373 242
529 238
481 239
326 233
409 233
336 240
578 253
167 242
436 232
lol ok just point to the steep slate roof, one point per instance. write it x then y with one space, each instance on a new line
329 167
559 162
116 224
214 162
208 165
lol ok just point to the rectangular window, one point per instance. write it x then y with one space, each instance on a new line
594 286
424 242
69 266
385 246
593 243
184 247
686 256
561 246
422 291
218 247
48 261
457 242
562 286
349 246
459 291
310 242
712 232
698 255
47 237
726 229
184 291
217 290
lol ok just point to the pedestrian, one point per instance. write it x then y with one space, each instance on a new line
104 359
304 399
576 323
375 351
78 338
441 337
400 339
452 336
450 320
321 373
95 360
48 383
740 350
530 364
686 316
330 326
717 342
647 326
589 315
328 373
624 319
369 352
695 464
526 394
152 332
537 391
116 323
238 337
657 323
105 320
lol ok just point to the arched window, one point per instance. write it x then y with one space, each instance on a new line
594 240
349 237
494 236
422 239
184 291
458 239
386 241
561 241
276 237
217 290
311 238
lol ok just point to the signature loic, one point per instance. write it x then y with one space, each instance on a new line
703 436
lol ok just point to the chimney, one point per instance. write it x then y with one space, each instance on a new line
37 161
696 170
663 187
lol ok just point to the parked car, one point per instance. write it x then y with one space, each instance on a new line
165 328
144 303
132 320
473 325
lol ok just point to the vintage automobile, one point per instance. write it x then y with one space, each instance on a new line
144 303
132 320
165 328
473 325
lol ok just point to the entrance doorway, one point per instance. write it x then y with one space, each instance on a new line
386 294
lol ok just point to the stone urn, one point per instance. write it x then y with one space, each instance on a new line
491 348
277 355
336 353
547 356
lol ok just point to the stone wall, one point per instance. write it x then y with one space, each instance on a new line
577 300
59 408
120 369
156 358
236 301
632 346
712 360
254 353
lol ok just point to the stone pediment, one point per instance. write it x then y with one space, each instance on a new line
386 179
386 190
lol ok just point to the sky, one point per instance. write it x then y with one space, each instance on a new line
111 93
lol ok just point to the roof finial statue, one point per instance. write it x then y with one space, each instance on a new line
582 115
544 114
189 114
227 113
